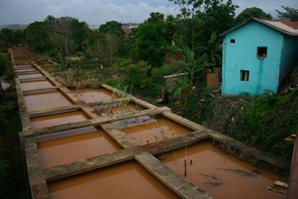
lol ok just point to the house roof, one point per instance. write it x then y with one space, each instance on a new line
126 30
285 26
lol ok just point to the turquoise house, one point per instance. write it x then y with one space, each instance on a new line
258 55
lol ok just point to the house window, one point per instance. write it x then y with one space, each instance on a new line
262 52
232 41
244 75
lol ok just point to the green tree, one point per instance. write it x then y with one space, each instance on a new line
248 13
150 42
212 52
112 27
38 36
202 17
288 13
80 32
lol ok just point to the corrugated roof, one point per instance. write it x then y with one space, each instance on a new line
284 26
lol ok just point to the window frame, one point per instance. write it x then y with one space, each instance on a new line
262 50
244 75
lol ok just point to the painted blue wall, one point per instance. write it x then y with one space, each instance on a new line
289 56
242 55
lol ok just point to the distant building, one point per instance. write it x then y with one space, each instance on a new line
127 28
93 27
257 56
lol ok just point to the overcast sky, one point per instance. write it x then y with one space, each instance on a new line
100 11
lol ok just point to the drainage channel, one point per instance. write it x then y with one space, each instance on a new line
105 143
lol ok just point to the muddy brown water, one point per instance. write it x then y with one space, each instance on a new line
44 101
26 86
58 119
96 95
75 145
155 130
125 180
221 175
30 76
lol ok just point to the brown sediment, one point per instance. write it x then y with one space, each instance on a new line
35 85
58 119
155 130
118 109
220 174
126 180
76 145
44 101
96 95
30 76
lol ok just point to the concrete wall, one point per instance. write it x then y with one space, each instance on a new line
289 57
242 55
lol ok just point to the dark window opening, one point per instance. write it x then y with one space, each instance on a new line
232 41
262 52
244 75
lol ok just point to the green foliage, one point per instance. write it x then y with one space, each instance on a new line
248 13
150 41
202 17
11 37
136 77
192 65
191 107
4 63
269 120
38 34
12 184
112 27
288 13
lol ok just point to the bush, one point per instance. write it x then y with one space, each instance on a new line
4 63
269 120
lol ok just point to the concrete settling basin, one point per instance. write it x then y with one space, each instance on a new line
94 95
30 76
145 130
26 86
45 101
58 119
74 145
118 108
127 179
219 174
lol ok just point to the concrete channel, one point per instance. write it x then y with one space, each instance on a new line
103 143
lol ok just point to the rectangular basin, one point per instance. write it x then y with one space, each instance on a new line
30 76
58 119
125 180
94 95
148 130
118 109
73 145
45 101
221 175
26 86
26 70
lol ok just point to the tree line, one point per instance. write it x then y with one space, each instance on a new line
196 27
